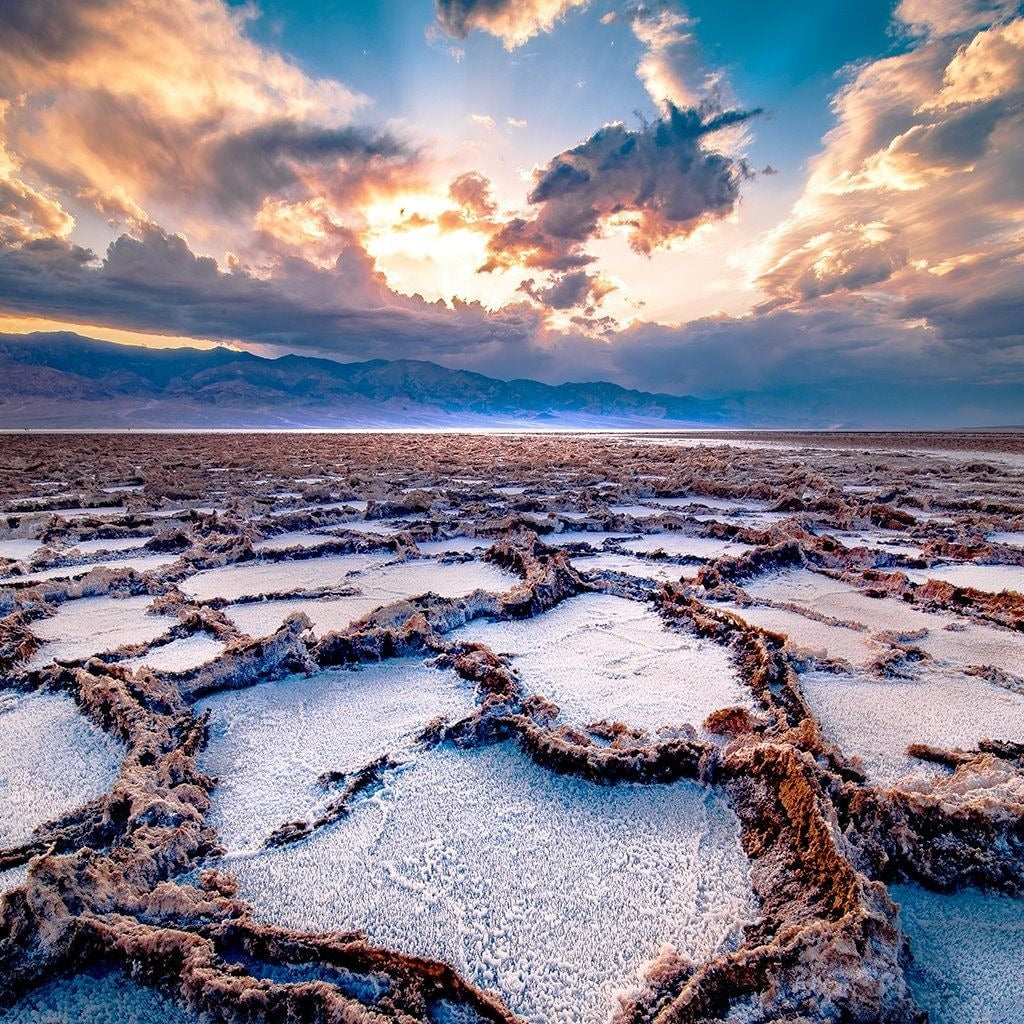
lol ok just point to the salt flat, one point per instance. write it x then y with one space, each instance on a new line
268 744
602 657
52 760
992 578
553 891
95 625
877 718
968 949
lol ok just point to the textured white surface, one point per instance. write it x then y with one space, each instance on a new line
251 579
839 600
329 615
551 890
366 572
632 566
91 547
180 655
1014 539
456 545
94 625
993 578
295 539
12 878
969 954
854 646
19 549
877 718
598 656
268 744
143 563
52 760
96 997
681 544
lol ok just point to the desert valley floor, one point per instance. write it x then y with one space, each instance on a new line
465 728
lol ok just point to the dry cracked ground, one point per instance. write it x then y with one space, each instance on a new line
553 728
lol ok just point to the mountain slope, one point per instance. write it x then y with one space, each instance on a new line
65 380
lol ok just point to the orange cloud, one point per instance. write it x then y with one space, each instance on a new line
917 193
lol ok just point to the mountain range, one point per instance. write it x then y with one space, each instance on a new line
64 380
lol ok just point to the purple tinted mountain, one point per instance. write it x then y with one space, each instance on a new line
65 380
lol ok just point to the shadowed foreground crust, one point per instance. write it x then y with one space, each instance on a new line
108 883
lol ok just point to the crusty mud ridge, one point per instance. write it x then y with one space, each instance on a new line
827 640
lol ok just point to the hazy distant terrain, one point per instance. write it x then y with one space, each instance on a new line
64 380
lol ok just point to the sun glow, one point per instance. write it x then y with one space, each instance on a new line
423 244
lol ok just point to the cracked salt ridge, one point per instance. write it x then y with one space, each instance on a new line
179 655
958 642
810 635
552 890
145 563
94 625
968 949
877 719
52 760
662 572
679 544
603 657
992 578
270 743
96 996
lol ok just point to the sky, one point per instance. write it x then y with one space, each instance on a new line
813 205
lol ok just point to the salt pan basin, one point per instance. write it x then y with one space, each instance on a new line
95 625
269 744
602 657
968 950
877 718
552 890
96 997
52 760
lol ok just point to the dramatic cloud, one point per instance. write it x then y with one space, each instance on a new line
152 281
514 22
472 191
172 105
670 67
918 193
25 212
952 17
896 278
660 182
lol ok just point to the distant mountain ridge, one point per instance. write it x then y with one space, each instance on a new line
66 380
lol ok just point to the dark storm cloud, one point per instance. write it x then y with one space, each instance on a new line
154 282
565 292
663 180
45 30
243 167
